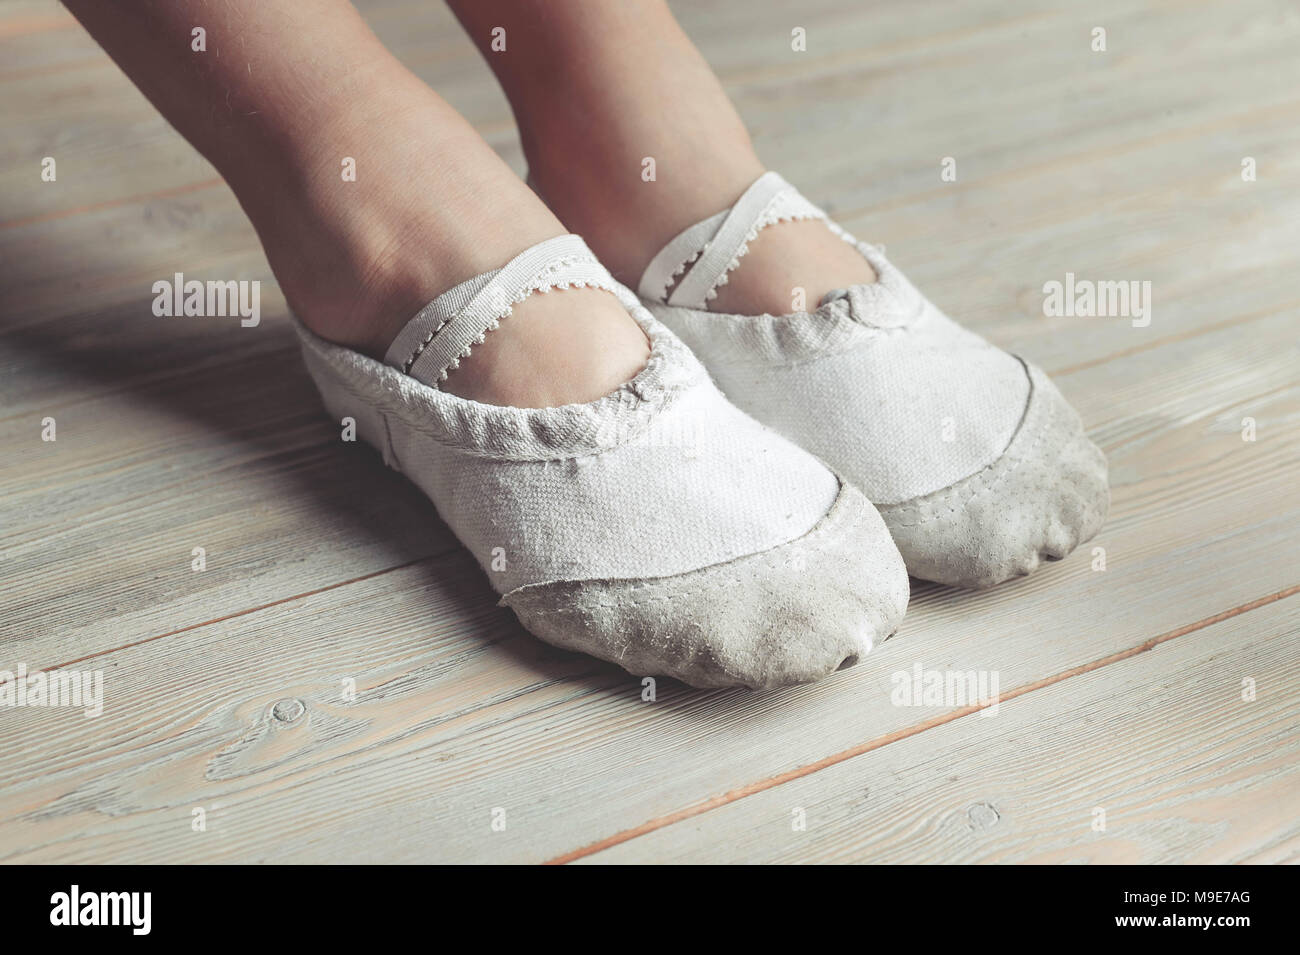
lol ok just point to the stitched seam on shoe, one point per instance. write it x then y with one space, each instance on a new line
984 482
762 559
872 333
815 359
665 395
396 410
750 236
561 262
509 310
661 298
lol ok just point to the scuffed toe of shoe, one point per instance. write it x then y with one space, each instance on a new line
791 614
1044 496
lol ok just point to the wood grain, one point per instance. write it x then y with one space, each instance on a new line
325 568
1153 759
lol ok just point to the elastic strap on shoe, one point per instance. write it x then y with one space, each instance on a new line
443 332
714 247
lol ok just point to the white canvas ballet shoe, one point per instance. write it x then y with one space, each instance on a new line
976 462
658 527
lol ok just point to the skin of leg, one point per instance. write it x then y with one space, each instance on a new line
598 87
283 93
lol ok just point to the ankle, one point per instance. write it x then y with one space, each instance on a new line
429 205
616 180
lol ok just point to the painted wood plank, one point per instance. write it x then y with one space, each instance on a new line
97 545
1154 759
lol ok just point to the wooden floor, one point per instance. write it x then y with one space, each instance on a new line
1122 689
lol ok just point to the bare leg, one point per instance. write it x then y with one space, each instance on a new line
596 88
284 92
